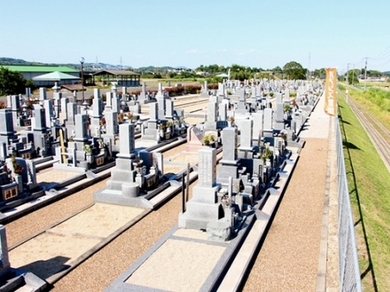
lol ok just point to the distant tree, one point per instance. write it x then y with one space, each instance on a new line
213 68
221 68
11 82
277 70
374 73
236 68
319 73
201 68
353 76
294 70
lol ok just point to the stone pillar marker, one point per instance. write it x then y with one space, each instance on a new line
229 141
115 103
48 106
108 100
246 135
161 103
169 109
42 94
122 187
267 119
39 118
212 115
205 89
4 259
111 123
81 128
279 114
142 96
206 166
241 105
57 95
97 112
6 126
151 131
127 144
203 206
63 115
257 125
15 108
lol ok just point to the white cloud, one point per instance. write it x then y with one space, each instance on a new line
246 52
194 52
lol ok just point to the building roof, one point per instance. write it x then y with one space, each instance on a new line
222 75
116 72
55 76
74 87
38 69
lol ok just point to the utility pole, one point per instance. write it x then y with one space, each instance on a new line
365 75
346 91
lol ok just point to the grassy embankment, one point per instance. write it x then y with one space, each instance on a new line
369 185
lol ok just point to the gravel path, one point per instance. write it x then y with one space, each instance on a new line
110 262
288 259
100 270
46 216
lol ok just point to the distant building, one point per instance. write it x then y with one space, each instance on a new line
122 77
60 78
31 71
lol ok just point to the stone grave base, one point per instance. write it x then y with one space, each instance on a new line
117 197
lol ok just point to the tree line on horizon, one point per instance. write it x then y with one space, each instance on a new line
12 81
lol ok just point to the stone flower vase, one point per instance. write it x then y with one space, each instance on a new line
19 181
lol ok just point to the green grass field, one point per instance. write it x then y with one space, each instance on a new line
369 185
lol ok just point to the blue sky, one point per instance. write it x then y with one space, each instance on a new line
255 33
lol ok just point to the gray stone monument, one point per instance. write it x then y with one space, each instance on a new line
228 166
142 97
279 113
257 125
122 188
205 90
241 105
48 106
42 94
97 113
246 148
212 115
63 114
203 207
268 127
150 132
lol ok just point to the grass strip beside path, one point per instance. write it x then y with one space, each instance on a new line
369 186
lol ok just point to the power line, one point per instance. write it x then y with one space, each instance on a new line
380 56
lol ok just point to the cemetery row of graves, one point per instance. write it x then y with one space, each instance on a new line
256 125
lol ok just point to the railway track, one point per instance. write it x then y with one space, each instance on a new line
379 135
